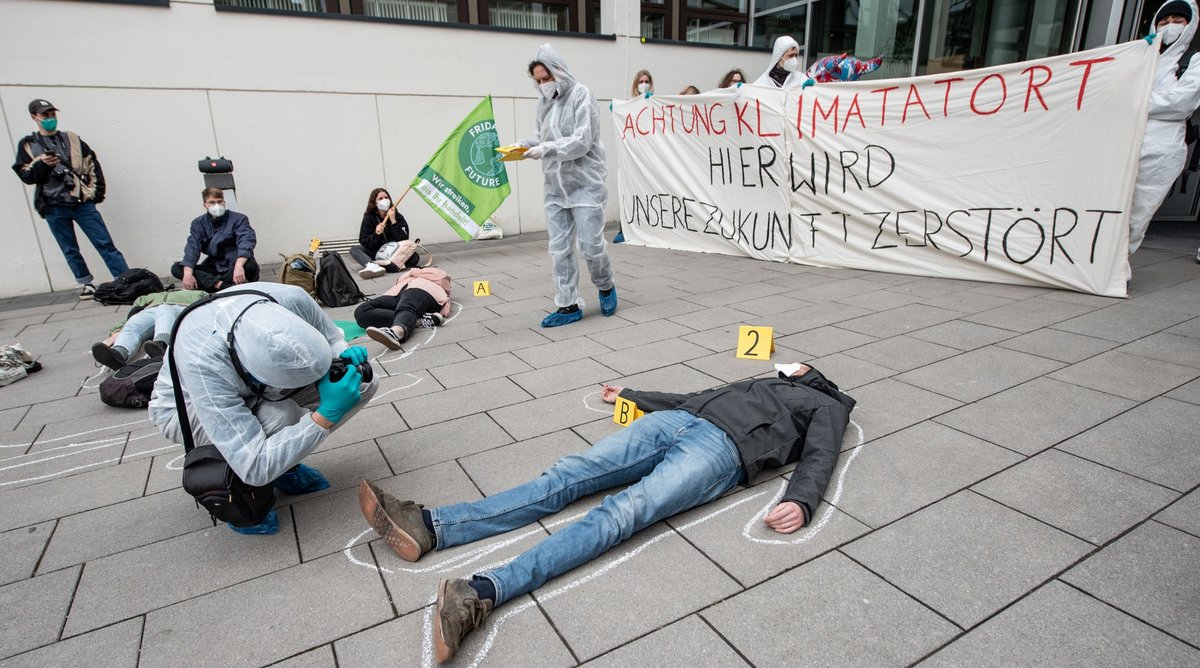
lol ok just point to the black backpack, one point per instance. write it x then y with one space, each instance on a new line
335 285
131 385
130 285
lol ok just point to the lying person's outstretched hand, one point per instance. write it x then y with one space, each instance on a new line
609 393
786 518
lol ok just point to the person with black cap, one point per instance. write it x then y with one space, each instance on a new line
1174 97
68 184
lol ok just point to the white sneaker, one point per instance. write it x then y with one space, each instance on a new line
385 335
372 270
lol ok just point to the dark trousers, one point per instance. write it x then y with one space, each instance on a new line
362 257
404 309
207 275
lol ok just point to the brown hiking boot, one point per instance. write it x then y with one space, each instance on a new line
459 611
399 522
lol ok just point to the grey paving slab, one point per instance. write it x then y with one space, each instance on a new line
377 420
502 468
1184 514
626 592
32 611
717 339
562 377
763 306
637 335
864 620
1165 433
593 431
436 407
966 301
849 372
429 357
344 467
10 417
136 581
955 556
887 406
880 300
1029 314
963 335
121 526
337 599
20 550
812 317
1060 626
897 474
1033 416
902 353
442 442
979 373
1010 291
824 340
1123 322
1149 573
39 466
502 343
1058 345
899 320
656 310
831 290
1068 492
166 472
114 646
549 354
321 657
934 287
63 496
676 378
1141 378
1166 347
735 295
546 414
1189 392
332 523
729 368
455 333
687 642
477 370
730 532
650 356
592 322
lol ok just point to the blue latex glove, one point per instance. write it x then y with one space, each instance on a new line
355 354
301 479
1150 38
807 83
338 398
739 84
268 527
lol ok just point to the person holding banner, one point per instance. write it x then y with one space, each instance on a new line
567 139
1174 97
786 69
688 450
643 84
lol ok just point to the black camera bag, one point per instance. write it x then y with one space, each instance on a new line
206 474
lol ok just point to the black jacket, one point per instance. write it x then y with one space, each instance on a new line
372 242
773 421
44 178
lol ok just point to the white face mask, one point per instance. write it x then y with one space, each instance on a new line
791 64
549 89
1171 33
383 204
643 88
788 369
216 210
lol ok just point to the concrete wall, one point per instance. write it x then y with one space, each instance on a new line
314 112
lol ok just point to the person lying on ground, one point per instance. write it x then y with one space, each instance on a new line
420 298
149 324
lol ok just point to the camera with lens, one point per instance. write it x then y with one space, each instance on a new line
340 366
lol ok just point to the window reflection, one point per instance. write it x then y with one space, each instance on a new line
966 34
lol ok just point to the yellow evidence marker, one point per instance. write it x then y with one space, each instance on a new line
625 412
482 289
755 343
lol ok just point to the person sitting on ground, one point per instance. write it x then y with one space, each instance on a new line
688 450
420 297
227 240
379 237
256 383
149 324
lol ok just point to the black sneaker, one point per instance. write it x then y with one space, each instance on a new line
431 320
88 292
109 357
387 336
155 349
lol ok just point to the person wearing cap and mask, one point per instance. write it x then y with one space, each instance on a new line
688 450
1173 99
566 138
269 402
786 69
68 184
227 240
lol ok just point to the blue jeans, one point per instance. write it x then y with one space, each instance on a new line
62 219
153 322
674 460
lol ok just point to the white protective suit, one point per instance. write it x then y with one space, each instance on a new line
285 346
1164 153
795 79
567 129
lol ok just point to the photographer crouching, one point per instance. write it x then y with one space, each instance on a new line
262 376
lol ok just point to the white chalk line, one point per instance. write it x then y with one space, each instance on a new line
589 406
377 397
432 334
173 464
68 436
85 386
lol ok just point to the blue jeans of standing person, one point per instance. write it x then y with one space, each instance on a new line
674 460
154 322
62 219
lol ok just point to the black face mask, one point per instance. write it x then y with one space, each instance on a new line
778 75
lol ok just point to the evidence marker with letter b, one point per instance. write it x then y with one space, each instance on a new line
625 412
755 343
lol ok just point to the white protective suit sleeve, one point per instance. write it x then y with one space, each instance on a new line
795 79
1177 99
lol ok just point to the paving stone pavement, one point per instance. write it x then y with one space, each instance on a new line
1020 486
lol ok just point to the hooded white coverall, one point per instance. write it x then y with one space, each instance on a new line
1164 153
285 346
795 79
567 129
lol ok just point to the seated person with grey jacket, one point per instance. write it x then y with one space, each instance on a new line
689 449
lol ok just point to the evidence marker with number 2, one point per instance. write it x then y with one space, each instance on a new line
755 343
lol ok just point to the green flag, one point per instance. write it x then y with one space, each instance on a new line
464 181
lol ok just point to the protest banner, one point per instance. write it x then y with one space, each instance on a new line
1017 174
464 181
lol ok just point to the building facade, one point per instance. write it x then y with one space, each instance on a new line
316 102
